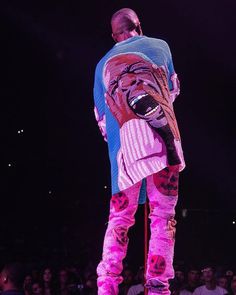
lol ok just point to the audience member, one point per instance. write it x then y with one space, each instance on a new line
177 283
90 287
47 282
128 280
222 281
229 274
27 285
73 280
138 287
37 289
63 282
193 281
210 287
233 286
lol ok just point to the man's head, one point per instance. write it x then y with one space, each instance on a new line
63 276
125 24
37 289
222 281
193 275
208 274
47 275
12 277
233 285
179 275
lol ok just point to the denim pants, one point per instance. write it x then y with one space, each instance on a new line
162 193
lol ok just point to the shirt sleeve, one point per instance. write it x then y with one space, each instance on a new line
196 292
99 101
174 84
131 291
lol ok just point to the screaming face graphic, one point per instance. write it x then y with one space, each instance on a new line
126 77
138 89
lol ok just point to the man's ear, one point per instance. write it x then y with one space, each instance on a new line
139 30
113 37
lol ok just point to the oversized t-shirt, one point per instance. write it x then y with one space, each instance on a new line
135 86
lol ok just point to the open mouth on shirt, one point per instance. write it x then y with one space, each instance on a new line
146 106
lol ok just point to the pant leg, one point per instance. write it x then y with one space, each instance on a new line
123 207
162 191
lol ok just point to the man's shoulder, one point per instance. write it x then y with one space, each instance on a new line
199 289
217 290
185 292
222 290
103 59
153 40
136 288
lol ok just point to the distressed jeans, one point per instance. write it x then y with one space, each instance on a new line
162 192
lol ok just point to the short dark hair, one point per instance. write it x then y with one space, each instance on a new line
192 267
209 266
15 272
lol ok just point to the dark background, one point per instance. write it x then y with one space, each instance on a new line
54 203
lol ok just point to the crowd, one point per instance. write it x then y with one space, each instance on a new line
17 279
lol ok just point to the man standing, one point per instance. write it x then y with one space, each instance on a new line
134 90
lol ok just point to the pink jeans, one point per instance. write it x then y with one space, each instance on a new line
162 192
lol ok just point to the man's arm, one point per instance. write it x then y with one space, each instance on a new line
99 101
174 84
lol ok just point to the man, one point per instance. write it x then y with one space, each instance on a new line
134 88
233 286
222 281
210 287
37 289
193 281
12 279
138 288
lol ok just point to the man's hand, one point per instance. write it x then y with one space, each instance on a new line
119 107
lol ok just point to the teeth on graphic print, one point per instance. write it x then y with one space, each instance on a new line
120 201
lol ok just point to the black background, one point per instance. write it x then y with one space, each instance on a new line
54 204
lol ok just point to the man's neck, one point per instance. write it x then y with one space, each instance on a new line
210 285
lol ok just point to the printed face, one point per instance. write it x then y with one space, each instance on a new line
166 182
128 74
157 265
120 235
120 201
